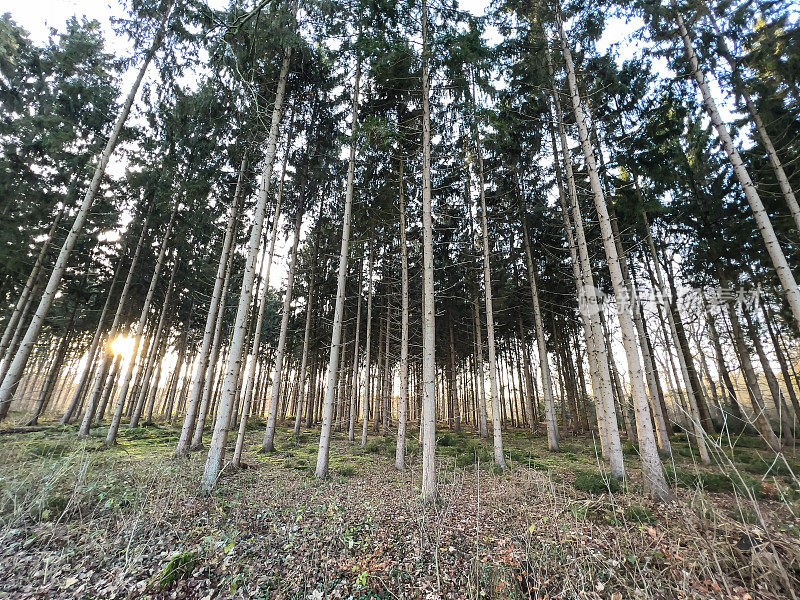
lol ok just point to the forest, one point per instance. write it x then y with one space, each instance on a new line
401 299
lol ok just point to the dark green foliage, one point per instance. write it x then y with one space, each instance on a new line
713 482
595 483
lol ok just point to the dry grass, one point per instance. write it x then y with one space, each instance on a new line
79 521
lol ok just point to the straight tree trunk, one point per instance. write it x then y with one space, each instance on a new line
216 452
304 376
108 354
55 369
588 304
683 357
156 351
269 435
91 353
111 438
15 320
544 366
353 391
400 453
655 483
743 91
336 335
217 305
367 350
499 459
428 424
751 381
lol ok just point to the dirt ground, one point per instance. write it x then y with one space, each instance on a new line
80 521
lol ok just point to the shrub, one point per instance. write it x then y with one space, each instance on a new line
373 447
135 433
747 441
179 567
595 483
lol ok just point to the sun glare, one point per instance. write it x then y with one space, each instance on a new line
123 346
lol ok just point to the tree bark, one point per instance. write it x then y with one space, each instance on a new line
428 424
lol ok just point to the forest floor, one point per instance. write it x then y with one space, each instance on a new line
80 521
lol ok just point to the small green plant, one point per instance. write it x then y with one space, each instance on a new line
51 507
346 470
639 514
179 567
595 483
745 515
579 511
373 447
630 449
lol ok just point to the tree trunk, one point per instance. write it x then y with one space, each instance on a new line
55 369
742 90
751 381
399 459
155 353
336 335
428 424
138 335
655 483
217 305
15 320
588 303
499 459
216 452
269 435
353 388
304 376
544 366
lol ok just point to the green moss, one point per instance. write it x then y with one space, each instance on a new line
712 482
49 448
639 514
179 567
747 441
134 433
346 470
595 483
